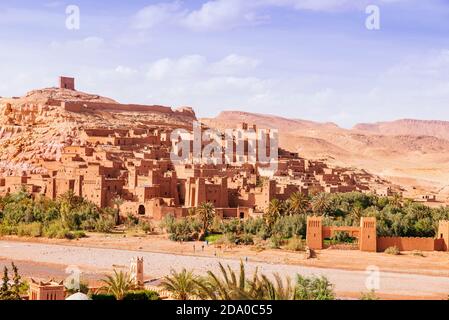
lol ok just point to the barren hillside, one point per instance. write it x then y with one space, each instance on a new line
439 129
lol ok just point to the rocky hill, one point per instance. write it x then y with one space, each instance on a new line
37 125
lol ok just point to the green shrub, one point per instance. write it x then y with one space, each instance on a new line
105 224
295 244
56 230
342 237
393 251
369 296
314 288
103 296
276 242
6 230
212 238
142 295
29 230
246 239
79 234
289 226
146 226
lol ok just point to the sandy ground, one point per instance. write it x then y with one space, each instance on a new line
405 276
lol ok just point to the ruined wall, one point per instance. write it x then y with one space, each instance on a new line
79 106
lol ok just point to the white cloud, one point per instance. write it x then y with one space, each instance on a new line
198 66
228 14
158 14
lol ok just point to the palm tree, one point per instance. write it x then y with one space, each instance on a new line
320 204
278 290
119 284
117 202
357 213
298 203
229 286
274 211
206 214
183 285
396 200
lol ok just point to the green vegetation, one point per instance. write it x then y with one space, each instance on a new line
229 285
119 284
141 295
393 251
369 296
212 238
67 217
182 285
12 288
284 221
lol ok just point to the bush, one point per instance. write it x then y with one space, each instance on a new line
276 242
6 230
418 253
246 239
393 251
143 295
57 230
369 296
146 226
289 226
186 229
105 224
342 237
211 238
29 230
314 288
295 244
79 234
103 296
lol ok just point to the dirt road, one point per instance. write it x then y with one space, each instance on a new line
97 260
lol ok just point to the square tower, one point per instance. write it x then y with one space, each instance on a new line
443 233
368 234
136 272
314 237
67 83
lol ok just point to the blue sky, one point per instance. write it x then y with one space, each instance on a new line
306 59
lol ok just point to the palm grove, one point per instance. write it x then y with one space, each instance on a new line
284 222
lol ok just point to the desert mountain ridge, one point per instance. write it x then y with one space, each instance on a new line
407 151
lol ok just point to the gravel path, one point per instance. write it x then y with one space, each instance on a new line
159 264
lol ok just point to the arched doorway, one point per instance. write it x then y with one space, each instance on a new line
141 210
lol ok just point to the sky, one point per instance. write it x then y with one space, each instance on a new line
302 59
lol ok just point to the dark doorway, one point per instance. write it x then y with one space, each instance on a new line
242 215
142 210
